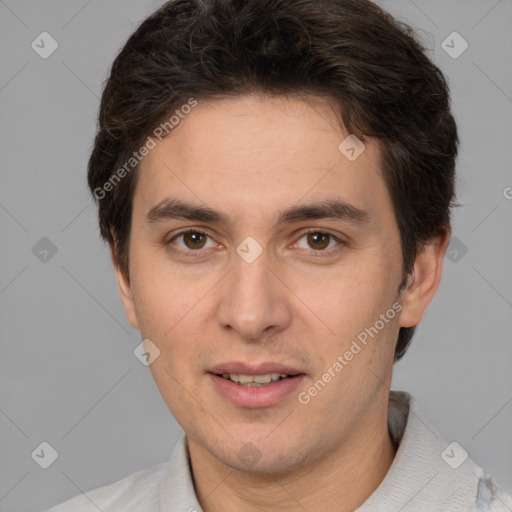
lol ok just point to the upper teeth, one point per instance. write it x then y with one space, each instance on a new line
259 379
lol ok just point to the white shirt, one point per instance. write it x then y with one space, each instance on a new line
428 474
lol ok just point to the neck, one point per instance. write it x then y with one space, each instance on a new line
341 481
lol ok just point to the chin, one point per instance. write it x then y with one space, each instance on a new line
261 453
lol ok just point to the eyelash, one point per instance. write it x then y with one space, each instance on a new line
319 253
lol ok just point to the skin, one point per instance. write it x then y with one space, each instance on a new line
249 158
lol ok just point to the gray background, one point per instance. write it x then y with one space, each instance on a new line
68 375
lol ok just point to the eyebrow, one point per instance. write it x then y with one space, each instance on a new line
169 209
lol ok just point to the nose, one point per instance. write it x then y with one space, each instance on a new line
254 300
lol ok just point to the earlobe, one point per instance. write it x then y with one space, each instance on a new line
423 281
125 292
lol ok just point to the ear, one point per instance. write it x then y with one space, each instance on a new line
424 279
125 291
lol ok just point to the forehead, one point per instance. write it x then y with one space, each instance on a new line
258 153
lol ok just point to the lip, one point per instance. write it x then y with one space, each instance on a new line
257 369
256 396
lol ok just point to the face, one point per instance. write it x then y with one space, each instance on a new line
255 240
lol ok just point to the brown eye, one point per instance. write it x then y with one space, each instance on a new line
191 240
318 240
194 240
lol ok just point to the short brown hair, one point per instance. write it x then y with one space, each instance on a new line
348 50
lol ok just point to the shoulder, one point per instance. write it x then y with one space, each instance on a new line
491 497
140 489
429 472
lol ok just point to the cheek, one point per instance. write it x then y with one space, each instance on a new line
351 296
162 297
178 388
174 315
350 304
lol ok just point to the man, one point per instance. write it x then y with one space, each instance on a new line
274 179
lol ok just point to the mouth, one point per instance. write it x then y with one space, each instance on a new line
254 380
254 386
234 368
